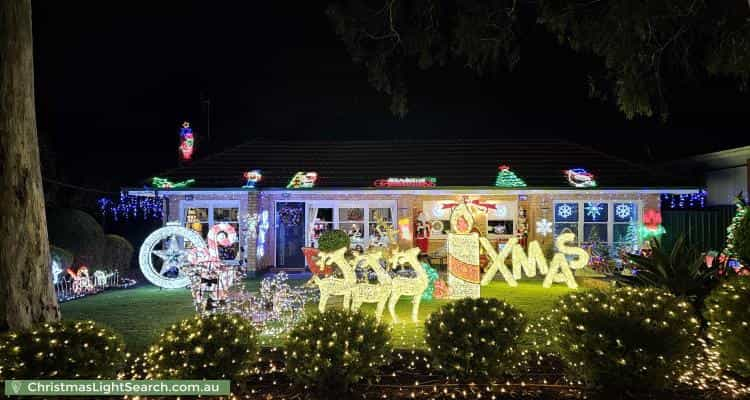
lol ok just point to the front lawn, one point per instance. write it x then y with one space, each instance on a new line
141 313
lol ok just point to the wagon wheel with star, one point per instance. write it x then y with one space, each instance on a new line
164 258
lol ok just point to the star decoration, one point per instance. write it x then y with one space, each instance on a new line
173 256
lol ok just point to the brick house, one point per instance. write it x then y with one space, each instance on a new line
352 188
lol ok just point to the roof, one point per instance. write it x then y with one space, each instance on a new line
455 163
730 158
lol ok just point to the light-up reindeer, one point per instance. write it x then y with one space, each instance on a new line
364 292
403 286
331 285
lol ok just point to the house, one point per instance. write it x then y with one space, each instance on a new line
724 173
530 188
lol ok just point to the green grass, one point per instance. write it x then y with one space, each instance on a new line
140 314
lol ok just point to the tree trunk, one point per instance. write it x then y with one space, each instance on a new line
26 293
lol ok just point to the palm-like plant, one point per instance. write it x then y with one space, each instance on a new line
682 271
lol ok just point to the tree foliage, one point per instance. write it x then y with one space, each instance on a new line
648 48
385 37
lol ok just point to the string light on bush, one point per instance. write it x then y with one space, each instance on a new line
129 206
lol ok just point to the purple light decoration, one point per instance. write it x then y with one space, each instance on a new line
690 201
127 207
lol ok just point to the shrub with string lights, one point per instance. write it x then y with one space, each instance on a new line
475 339
331 351
62 350
628 341
728 316
216 346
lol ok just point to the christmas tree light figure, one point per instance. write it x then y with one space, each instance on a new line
508 178
731 250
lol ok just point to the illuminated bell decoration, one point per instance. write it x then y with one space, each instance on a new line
580 178
507 178
423 181
252 177
163 183
187 141
652 227
559 269
303 180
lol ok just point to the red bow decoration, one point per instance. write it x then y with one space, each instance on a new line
652 219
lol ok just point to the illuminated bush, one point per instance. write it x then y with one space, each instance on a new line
475 338
62 350
333 350
211 347
333 240
627 340
728 314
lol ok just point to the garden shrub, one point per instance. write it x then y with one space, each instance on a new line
475 338
728 314
62 350
626 341
210 347
79 233
118 253
333 350
333 240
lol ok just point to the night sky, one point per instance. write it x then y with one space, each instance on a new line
114 80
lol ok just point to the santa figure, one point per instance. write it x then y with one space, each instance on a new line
422 237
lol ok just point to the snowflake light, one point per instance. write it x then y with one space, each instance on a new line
623 211
543 227
564 211
593 210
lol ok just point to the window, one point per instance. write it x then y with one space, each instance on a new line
566 218
610 224
357 218
200 216
500 221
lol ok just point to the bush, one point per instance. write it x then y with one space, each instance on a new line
475 338
625 341
210 347
681 270
79 233
118 253
728 313
333 350
333 240
62 350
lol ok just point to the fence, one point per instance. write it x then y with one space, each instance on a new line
706 229
73 287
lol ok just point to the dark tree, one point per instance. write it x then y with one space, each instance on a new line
26 293
648 48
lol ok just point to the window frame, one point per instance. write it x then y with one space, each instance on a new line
336 205
211 205
581 217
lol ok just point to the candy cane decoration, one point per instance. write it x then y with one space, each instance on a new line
222 234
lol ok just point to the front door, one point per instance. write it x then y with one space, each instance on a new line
290 234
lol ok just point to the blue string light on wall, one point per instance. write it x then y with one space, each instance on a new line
690 201
127 207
